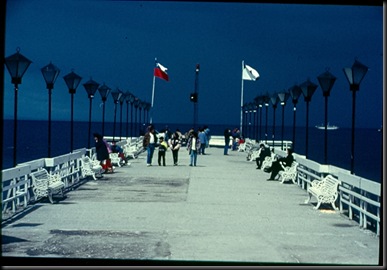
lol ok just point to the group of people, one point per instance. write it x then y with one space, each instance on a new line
197 142
234 136
276 166
103 150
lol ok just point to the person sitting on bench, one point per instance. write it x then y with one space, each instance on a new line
276 166
265 152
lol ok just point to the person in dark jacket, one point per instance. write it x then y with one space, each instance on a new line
265 152
227 134
149 143
276 165
101 150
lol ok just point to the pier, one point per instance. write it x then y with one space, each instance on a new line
221 212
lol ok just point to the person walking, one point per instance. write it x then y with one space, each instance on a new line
203 141
149 143
193 146
227 134
175 143
102 152
163 146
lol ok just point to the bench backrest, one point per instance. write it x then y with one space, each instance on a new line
330 184
40 174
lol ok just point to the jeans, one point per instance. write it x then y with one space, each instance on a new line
226 146
150 150
194 156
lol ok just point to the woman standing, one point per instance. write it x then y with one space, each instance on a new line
227 134
174 144
193 146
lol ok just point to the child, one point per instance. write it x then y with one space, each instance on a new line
162 149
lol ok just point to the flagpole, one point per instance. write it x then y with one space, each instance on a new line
240 124
153 95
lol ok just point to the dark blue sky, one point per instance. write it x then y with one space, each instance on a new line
116 42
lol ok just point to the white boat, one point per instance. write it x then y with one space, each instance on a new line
329 127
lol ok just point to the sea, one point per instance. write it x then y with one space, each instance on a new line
32 141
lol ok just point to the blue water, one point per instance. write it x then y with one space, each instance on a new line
32 142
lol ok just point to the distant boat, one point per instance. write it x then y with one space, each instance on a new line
329 127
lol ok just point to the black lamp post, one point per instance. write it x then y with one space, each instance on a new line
245 111
136 105
50 74
255 120
259 102
307 89
17 65
295 92
354 76
91 87
72 81
274 102
116 97
266 100
104 92
127 100
326 81
131 100
121 100
283 97
196 93
248 123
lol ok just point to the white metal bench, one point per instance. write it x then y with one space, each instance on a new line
267 162
288 173
90 167
46 185
115 159
325 190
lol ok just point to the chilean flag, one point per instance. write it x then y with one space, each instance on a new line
161 72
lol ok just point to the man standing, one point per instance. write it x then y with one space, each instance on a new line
149 143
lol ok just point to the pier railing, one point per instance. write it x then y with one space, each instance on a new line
17 186
359 198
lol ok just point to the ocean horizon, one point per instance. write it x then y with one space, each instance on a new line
32 140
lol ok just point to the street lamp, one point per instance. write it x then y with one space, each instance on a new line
104 92
307 89
116 97
326 81
245 109
72 81
50 74
274 102
91 87
295 92
131 99
266 100
137 102
121 100
283 97
354 76
127 100
259 101
17 65
196 93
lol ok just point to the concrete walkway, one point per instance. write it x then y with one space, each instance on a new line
221 212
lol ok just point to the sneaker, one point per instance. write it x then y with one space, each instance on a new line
148 165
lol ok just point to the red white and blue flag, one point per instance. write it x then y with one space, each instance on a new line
161 72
